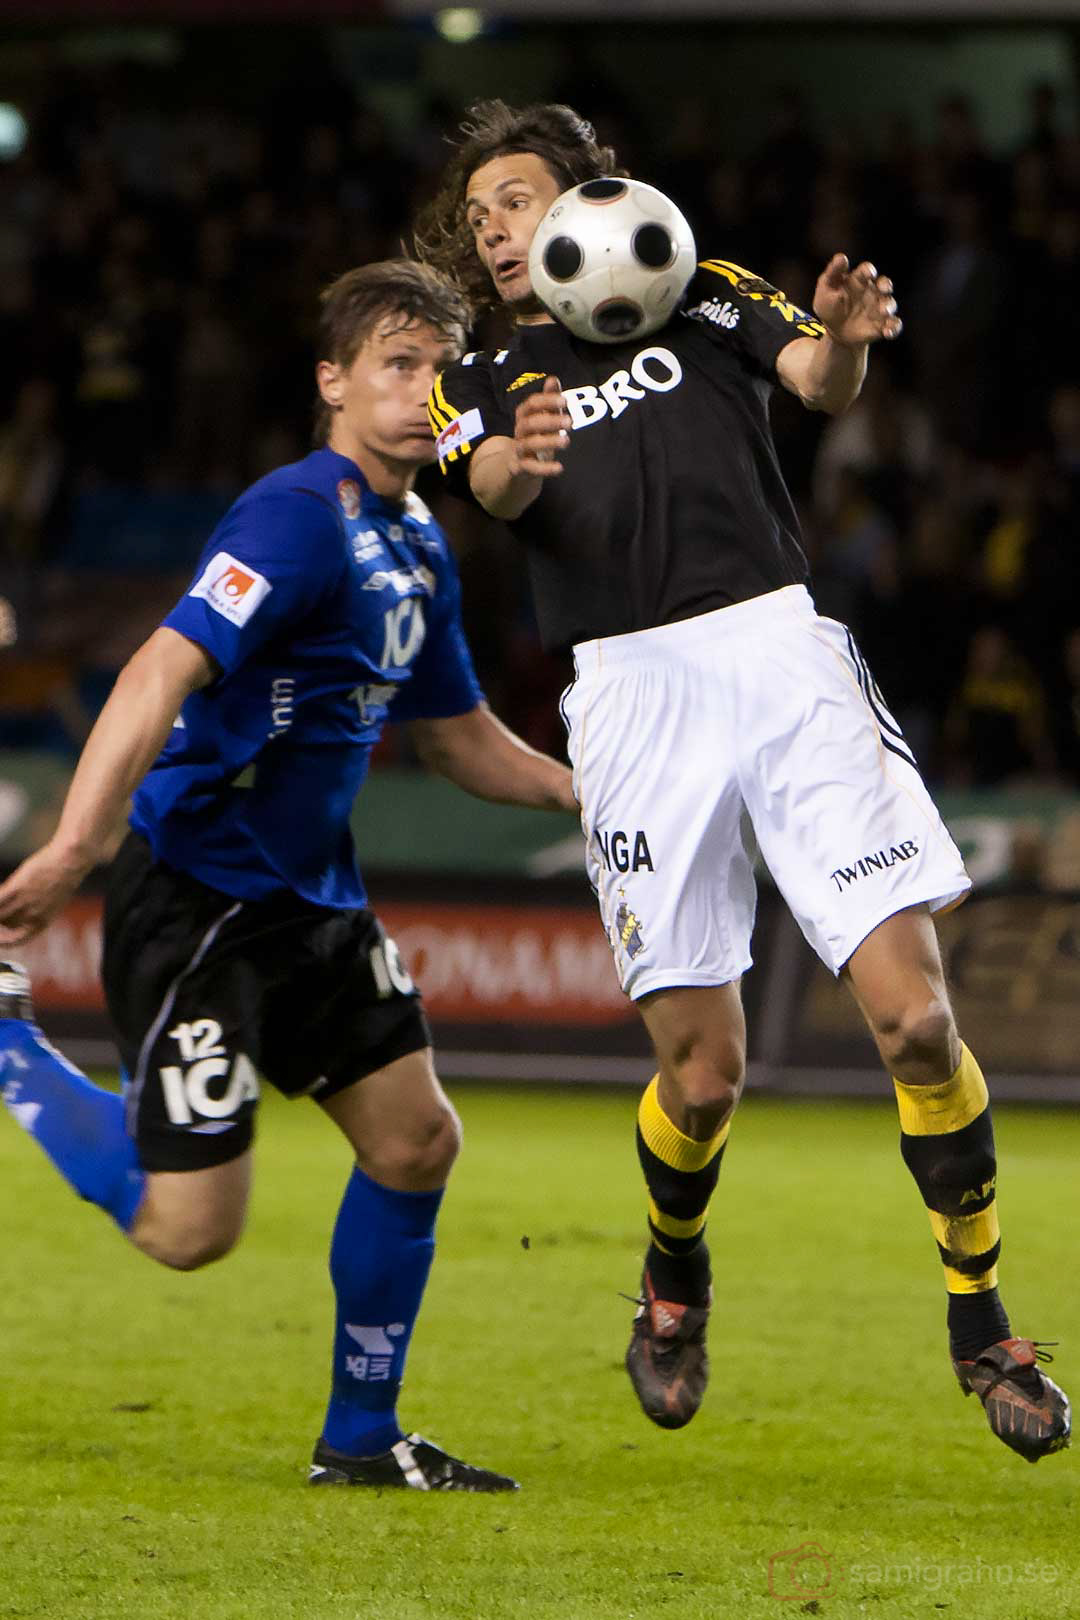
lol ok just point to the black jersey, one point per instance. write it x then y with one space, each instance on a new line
672 501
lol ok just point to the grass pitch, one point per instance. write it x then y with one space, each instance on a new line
155 1428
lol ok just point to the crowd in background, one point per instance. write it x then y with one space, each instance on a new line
159 268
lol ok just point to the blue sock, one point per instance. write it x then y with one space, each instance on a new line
80 1126
379 1262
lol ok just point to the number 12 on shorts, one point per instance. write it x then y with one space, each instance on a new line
186 1090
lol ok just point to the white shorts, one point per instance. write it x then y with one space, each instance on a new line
760 720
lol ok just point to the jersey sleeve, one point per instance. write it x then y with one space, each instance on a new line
443 680
266 566
756 318
464 410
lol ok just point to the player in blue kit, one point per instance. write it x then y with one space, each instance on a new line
238 938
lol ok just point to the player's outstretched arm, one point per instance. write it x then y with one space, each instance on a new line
488 760
856 308
129 735
506 475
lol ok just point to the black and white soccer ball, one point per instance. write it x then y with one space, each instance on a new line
611 259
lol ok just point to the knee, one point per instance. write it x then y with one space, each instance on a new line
420 1156
187 1247
708 1070
919 1042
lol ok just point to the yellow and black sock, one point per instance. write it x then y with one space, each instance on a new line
947 1141
680 1175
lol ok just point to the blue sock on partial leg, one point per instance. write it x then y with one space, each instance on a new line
380 1257
80 1126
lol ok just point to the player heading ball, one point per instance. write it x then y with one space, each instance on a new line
664 548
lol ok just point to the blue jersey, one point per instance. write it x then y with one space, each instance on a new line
326 607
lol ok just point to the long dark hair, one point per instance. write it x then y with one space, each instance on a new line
565 141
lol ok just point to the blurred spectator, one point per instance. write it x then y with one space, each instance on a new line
213 394
997 728
1046 344
40 704
1067 713
965 164
783 171
1042 133
1032 197
857 558
958 326
915 629
885 437
31 469
113 426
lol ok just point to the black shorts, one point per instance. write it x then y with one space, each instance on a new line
206 992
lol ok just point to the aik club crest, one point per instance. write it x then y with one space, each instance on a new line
348 493
628 929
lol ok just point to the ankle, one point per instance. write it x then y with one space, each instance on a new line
683 1279
976 1321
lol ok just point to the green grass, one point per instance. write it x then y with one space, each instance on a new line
155 1428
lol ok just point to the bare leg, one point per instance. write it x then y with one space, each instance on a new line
683 1121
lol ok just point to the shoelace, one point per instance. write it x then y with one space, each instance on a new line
1028 1378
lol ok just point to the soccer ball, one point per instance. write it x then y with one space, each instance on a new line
611 259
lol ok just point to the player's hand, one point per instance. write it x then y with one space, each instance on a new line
35 892
855 306
541 431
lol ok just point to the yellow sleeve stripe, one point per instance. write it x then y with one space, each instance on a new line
443 403
438 421
732 272
441 415
763 293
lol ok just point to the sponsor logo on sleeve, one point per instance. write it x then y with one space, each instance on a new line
711 309
348 494
231 588
459 434
526 377
752 287
755 287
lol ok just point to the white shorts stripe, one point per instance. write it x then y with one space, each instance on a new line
872 693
